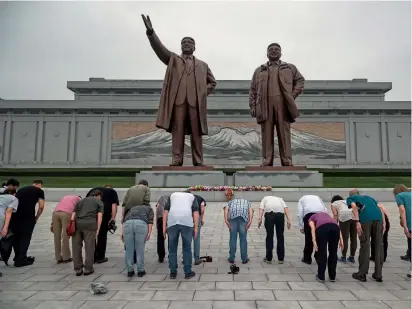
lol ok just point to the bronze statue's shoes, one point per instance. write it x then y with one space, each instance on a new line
265 164
289 164
176 164
198 164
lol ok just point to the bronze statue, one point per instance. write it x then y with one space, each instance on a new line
182 109
274 88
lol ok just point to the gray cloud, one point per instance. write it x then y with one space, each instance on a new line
45 44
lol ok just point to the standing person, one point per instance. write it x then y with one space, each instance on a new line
60 218
10 184
275 86
325 236
308 205
183 102
160 206
370 220
136 231
88 217
403 198
181 217
24 220
275 209
385 236
238 215
110 201
196 241
344 216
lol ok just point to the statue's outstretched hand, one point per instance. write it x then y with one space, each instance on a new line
147 23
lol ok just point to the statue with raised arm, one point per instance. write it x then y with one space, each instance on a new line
275 86
183 108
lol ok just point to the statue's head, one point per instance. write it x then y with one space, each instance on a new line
188 45
274 52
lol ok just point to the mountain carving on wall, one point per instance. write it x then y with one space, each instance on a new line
226 143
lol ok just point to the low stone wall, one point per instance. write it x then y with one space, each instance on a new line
288 194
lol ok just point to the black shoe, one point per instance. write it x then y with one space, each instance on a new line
406 258
358 276
69 260
408 275
89 273
190 275
130 273
79 273
104 260
22 264
161 260
245 262
377 279
306 262
141 273
31 259
59 261
173 275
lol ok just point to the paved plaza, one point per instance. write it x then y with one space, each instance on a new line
46 285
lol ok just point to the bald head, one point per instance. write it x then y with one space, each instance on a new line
354 192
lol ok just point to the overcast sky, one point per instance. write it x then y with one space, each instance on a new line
45 44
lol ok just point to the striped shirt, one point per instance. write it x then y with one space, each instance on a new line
143 212
238 208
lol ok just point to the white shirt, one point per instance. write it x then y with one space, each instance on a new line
344 212
273 203
308 204
181 205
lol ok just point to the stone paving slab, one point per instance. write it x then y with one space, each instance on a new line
292 285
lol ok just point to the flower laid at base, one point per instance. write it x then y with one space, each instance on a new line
232 188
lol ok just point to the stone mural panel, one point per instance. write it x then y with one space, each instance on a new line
228 144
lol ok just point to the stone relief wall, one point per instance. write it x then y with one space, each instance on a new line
228 143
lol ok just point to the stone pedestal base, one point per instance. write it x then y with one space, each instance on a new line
279 176
182 176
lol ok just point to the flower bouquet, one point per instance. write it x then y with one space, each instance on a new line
232 188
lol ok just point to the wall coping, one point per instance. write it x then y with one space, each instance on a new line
239 85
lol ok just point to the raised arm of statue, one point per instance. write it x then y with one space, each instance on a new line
161 51
211 81
298 82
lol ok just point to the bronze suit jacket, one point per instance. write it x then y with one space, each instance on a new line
205 83
291 83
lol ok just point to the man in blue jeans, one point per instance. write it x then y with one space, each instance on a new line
238 215
181 217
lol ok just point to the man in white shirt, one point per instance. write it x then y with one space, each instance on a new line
274 208
181 217
307 206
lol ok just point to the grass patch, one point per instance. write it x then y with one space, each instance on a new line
127 181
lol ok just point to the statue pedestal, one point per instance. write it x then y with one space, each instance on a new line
182 176
279 176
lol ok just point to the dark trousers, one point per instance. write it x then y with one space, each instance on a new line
21 241
89 239
327 239
348 229
408 253
371 228
101 243
385 242
308 250
275 220
161 252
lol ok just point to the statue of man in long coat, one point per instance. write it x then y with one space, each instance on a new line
183 108
274 88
